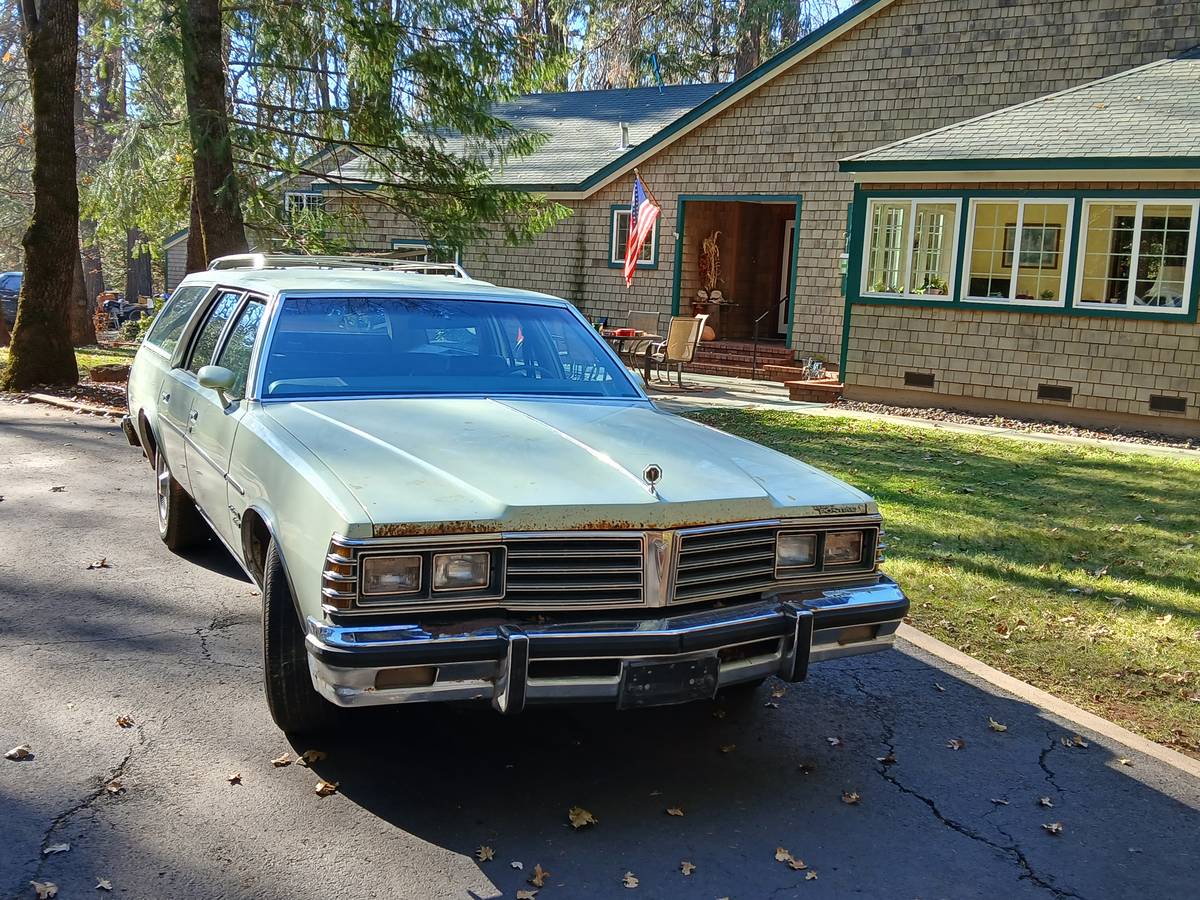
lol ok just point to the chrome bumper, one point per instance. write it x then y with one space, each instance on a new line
512 665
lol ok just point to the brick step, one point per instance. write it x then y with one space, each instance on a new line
782 373
824 391
745 359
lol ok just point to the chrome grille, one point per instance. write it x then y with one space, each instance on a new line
564 572
724 562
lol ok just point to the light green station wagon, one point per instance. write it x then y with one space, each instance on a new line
447 490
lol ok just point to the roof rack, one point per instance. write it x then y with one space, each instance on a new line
299 261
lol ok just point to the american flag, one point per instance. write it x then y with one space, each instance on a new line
643 213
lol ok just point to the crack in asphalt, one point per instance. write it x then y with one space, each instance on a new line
1049 773
220 622
1012 850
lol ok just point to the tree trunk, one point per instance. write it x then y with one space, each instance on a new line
214 183
195 240
83 328
748 49
41 351
4 334
137 266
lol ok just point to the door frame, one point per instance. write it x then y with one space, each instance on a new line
680 216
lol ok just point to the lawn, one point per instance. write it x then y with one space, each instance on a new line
1073 568
87 357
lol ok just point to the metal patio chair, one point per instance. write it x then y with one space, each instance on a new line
683 338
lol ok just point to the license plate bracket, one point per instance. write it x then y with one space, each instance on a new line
666 682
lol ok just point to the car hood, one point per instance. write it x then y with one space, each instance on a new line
461 465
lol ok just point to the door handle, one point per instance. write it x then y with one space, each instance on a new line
165 397
192 417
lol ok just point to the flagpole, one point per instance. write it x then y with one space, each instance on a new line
649 193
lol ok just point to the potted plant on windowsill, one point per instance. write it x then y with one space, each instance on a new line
936 286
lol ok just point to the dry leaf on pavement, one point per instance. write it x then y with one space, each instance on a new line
796 865
55 848
1124 761
280 761
940 689
103 884
782 855
1046 802
579 817
674 811
771 704
58 489
485 853
124 721
325 788
687 868
850 797
101 563
24 751
115 787
778 692
517 864
308 757
526 895
810 875
996 726
630 880
956 743
539 876
1053 827
889 760
1075 741
834 741
235 778
45 889
999 802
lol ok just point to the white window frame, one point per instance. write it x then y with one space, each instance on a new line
907 242
1128 306
308 200
651 241
1064 251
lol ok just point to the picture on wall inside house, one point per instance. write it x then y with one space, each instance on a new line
1039 246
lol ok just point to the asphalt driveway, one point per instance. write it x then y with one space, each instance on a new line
172 643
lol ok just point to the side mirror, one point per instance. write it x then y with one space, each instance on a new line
219 379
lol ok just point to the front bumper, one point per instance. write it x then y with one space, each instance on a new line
513 665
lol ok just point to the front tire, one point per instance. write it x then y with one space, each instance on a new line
180 524
294 703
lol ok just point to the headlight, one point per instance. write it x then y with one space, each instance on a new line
843 548
461 571
795 550
391 574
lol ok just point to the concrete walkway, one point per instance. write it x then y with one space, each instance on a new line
741 393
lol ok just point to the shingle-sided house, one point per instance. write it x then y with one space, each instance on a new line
1040 259
757 160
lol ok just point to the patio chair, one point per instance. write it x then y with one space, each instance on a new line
645 320
683 337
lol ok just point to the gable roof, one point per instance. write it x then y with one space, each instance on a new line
582 128
1144 117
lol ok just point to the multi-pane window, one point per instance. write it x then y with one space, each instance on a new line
1136 253
911 246
620 239
299 202
1017 251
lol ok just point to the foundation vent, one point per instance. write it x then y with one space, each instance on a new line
1054 392
919 379
1160 403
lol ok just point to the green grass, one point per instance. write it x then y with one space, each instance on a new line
1073 568
87 357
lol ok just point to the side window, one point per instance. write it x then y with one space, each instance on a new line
235 355
169 323
210 331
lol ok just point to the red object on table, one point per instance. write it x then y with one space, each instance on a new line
624 332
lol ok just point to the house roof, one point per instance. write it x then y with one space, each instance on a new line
582 128
1144 117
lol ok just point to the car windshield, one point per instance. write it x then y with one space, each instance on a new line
371 346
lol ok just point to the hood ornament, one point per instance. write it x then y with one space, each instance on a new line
651 475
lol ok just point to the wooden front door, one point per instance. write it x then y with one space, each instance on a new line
785 279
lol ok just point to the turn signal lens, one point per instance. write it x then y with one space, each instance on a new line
391 574
795 550
843 548
461 571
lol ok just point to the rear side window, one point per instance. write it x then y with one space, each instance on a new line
210 331
168 324
239 346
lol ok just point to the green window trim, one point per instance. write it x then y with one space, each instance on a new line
652 242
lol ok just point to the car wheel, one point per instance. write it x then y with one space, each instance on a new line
180 524
294 703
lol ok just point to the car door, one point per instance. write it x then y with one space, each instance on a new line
177 394
214 421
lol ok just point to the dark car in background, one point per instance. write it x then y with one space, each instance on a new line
10 287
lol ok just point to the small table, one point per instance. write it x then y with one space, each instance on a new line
618 344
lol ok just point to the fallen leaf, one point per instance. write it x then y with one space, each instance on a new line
727 748
834 741
124 721
674 811
325 788
889 760
103 884
1046 802
115 787
1075 741
630 880
778 692
58 489
45 889
996 726
940 689
55 848
526 895
782 855
796 865
810 875
280 761
539 876
485 853
308 757
687 868
1125 762
1053 827
771 704
579 817
999 802
235 778
850 797
517 864
956 743
24 751
101 563
1164 620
